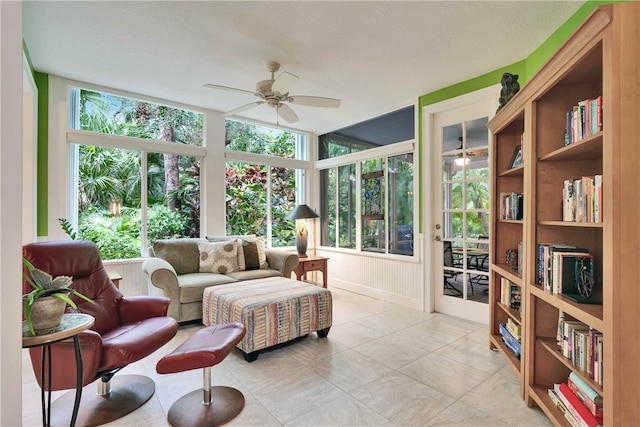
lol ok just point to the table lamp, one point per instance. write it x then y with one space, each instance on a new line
300 214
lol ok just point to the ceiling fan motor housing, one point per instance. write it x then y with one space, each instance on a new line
263 88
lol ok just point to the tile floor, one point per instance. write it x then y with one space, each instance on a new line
381 365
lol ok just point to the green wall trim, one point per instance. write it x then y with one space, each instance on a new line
42 182
526 69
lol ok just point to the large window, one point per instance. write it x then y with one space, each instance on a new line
264 181
367 186
368 204
137 172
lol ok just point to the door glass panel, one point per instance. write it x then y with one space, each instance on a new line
465 203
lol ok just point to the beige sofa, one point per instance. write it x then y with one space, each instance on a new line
181 269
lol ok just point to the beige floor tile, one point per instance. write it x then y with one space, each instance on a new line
349 369
402 400
445 375
342 412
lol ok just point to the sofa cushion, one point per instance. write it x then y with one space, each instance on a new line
219 257
182 254
254 253
240 239
255 274
193 285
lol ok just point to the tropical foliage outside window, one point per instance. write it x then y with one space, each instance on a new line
260 194
111 205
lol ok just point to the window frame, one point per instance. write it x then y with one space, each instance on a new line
75 137
391 150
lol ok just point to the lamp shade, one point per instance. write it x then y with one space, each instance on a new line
301 212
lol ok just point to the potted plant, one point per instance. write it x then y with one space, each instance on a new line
44 306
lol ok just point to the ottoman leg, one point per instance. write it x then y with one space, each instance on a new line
210 406
322 333
251 357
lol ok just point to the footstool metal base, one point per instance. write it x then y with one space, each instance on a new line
190 411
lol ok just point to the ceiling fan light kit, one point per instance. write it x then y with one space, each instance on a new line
275 93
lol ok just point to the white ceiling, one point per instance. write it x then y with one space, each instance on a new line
375 56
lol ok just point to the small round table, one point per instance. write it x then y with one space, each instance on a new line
70 326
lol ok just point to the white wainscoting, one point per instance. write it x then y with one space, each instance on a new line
385 278
382 277
134 281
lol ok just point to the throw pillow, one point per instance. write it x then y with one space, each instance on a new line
218 257
182 254
241 263
254 253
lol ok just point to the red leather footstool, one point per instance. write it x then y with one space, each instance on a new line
205 348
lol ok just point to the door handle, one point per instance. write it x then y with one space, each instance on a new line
438 239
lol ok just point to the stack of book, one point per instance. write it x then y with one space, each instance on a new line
582 345
582 199
583 120
579 402
510 341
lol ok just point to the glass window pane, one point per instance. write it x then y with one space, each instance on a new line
283 200
328 190
250 138
246 198
116 115
109 200
452 196
173 196
400 172
453 222
347 206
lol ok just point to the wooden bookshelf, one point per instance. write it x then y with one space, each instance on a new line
600 58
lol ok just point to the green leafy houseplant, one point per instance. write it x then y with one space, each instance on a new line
44 285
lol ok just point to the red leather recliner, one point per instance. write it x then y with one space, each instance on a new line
125 331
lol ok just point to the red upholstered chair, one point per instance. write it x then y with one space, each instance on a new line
125 331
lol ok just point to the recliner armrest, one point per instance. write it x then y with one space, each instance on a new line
283 261
135 309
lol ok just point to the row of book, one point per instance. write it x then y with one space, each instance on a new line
583 120
582 199
510 294
567 270
583 346
511 206
578 401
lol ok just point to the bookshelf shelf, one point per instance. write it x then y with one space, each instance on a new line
572 224
589 148
596 61
517 171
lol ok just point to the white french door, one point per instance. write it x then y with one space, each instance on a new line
460 210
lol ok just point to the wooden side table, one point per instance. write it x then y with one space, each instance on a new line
72 324
312 263
115 278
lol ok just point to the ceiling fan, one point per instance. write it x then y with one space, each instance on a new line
275 93
459 158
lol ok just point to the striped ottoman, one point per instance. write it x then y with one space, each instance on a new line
274 310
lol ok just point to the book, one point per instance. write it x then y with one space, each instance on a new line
595 408
558 403
514 329
563 268
577 408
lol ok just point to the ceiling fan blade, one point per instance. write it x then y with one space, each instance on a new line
287 113
284 83
243 108
227 88
315 101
